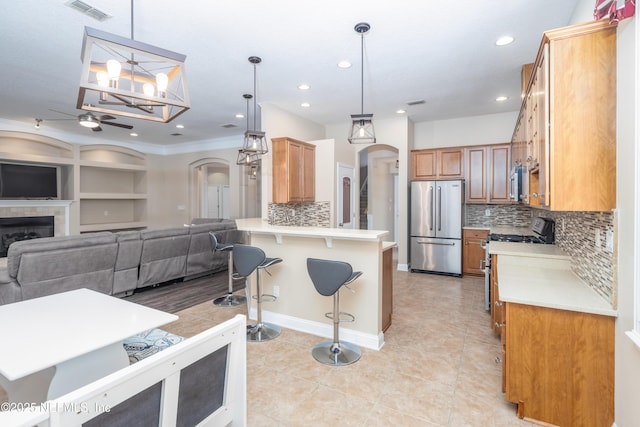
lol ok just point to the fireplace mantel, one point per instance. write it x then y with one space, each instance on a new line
43 207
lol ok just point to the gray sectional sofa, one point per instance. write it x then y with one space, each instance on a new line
113 263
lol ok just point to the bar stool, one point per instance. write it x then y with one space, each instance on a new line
247 259
328 277
228 300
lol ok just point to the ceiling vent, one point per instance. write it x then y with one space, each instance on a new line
88 10
175 134
229 126
416 102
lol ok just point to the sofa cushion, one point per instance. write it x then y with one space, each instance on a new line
164 255
49 244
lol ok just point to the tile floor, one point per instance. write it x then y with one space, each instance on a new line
437 367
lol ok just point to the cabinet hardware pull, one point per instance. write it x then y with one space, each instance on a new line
499 325
498 303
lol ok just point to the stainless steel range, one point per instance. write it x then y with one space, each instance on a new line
542 231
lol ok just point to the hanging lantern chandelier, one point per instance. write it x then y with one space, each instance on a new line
255 141
362 131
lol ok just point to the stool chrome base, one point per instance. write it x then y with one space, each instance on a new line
229 300
336 354
262 332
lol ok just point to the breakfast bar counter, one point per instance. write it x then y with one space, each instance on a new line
299 306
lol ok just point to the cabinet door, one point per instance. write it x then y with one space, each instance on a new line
473 251
499 172
309 174
476 183
423 165
450 163
296 172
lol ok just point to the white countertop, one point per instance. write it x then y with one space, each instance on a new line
258 225
540 275
527 249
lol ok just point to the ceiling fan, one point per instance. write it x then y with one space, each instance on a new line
91 121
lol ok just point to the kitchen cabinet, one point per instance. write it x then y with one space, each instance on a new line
443 163
570 110
293 171
473 251
487 173
387 287
559 365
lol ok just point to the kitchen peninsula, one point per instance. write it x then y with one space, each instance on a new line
299 306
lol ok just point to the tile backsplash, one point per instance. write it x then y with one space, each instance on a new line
316 214
575 234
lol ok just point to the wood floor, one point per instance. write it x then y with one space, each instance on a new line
175 296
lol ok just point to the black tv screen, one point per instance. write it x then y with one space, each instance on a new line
28 182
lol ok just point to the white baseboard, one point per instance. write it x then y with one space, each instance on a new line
325 330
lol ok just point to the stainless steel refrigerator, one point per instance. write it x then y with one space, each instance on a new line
436 226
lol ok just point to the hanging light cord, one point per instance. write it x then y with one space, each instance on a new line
255 96
361 73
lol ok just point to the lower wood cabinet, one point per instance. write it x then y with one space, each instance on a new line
387 288
473 251
559 365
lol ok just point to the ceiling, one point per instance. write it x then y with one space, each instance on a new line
441 52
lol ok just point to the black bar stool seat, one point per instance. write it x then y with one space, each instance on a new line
247 259
229 300
328 277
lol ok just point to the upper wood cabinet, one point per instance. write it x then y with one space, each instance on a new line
443 163
570 110
487 173
293 171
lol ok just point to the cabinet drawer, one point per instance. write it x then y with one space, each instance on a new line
475 234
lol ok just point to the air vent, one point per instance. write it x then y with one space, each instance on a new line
176 134
229 126
88 10
416 102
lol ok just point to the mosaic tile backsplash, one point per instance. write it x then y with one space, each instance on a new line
575 234
317 214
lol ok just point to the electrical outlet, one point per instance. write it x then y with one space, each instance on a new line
487 212
598 239
608 240
276 291
106 213
562 224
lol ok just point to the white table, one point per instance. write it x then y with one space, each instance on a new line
58 343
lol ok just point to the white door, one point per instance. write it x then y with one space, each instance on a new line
345 213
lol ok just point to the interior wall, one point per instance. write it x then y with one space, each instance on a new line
627 354
169 190
474 130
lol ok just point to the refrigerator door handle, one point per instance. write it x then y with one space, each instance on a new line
430 197
439 207
436 243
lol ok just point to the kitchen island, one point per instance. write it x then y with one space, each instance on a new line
299 306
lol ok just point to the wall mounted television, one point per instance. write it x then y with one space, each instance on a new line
22 181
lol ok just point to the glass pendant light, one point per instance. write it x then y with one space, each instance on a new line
254 140
362 131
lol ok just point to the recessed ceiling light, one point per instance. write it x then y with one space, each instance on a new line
344 64
504 40
501 98
133 134
180 126
401 111
303 86
239 116
305 105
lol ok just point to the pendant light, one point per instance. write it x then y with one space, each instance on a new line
254 140
247 158
362 131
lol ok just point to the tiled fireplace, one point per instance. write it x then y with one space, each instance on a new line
57 209
15 229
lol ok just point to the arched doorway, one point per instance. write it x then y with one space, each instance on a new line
210 188
378 189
